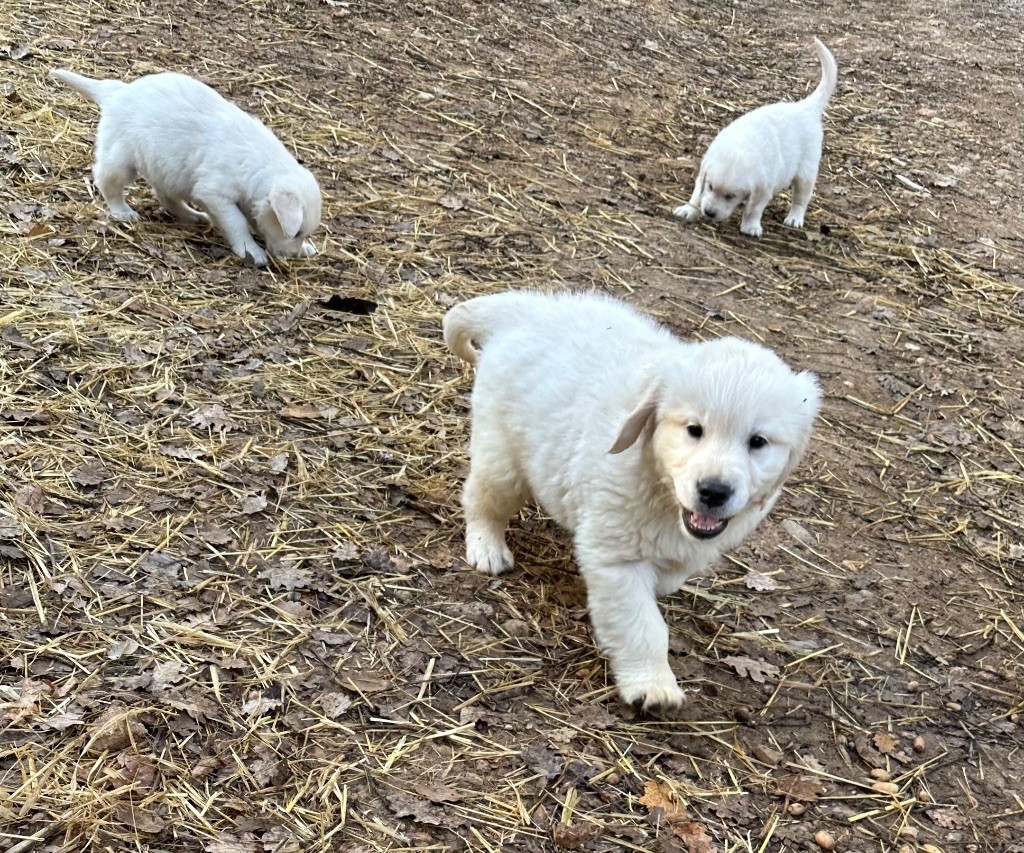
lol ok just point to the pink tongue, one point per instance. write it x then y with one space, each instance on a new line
704 521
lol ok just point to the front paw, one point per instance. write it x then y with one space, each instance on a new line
307 249
252 255
493 558
652 693
795 220
752 229
687 212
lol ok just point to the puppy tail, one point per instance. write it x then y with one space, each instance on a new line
829 75
470 324
94 90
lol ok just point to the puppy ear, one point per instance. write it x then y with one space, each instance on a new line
640 421
287 207
808 402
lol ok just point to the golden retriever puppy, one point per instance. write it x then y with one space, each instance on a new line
658 454
760 154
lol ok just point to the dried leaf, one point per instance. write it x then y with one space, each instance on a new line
90 474
452 202
793 786
659 796
756 670
885 743
760 582
695 836
307 411
575 836
212 416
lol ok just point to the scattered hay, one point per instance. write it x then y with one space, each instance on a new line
233 616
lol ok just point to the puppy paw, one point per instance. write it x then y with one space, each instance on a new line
253 255
125 214
655 695
795 220
687 212
493 558
307 250
752 229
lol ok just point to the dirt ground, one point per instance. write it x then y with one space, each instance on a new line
233 614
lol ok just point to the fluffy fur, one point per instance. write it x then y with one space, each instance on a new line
760 154
640 444
195 149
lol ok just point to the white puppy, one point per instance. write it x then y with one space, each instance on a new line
196 148
760 154
659 455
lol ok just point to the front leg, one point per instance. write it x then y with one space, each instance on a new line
630 630
228 218
752 212
691 210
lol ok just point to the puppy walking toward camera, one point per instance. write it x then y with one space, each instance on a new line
195 149
659 455
760 154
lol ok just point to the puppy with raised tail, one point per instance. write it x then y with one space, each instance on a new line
198 150
760 154
659 455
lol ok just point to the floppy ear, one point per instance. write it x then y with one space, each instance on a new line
640 421
287 208
809 403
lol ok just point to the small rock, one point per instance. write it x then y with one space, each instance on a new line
924 797
796 809
886 788
881 774
908 832
919 744
913 686
953 706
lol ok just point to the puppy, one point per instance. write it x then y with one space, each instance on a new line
762 153
658 455
198 150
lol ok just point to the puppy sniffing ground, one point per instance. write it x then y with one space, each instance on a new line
760 154
659 455
198 150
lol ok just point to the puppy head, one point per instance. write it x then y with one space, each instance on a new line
726 425
289 214
723 190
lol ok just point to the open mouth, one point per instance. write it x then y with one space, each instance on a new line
703 526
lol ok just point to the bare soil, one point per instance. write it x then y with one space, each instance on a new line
233 614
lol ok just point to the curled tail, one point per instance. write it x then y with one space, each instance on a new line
829 75
474 321
94 90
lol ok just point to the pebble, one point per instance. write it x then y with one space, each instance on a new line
796 809
953 706
913 686
799 532
886 787
908 832
881 774
613 778
924 797
919 744
824 840
930 848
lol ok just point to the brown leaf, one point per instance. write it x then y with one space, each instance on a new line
137 819
212 416
335 704
795 787
90 474
885 743
695 836
439 793
659 796
452 202
115 729
30 496
574 836
755 670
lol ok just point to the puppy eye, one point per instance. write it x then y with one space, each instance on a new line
730 197
757 442
695 430
711 189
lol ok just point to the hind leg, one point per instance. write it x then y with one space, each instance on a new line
112 173
803 187
181 211
494 492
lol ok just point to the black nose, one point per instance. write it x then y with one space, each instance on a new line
713 493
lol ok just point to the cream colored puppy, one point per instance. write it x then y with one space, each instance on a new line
658 454
760 154
195 149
